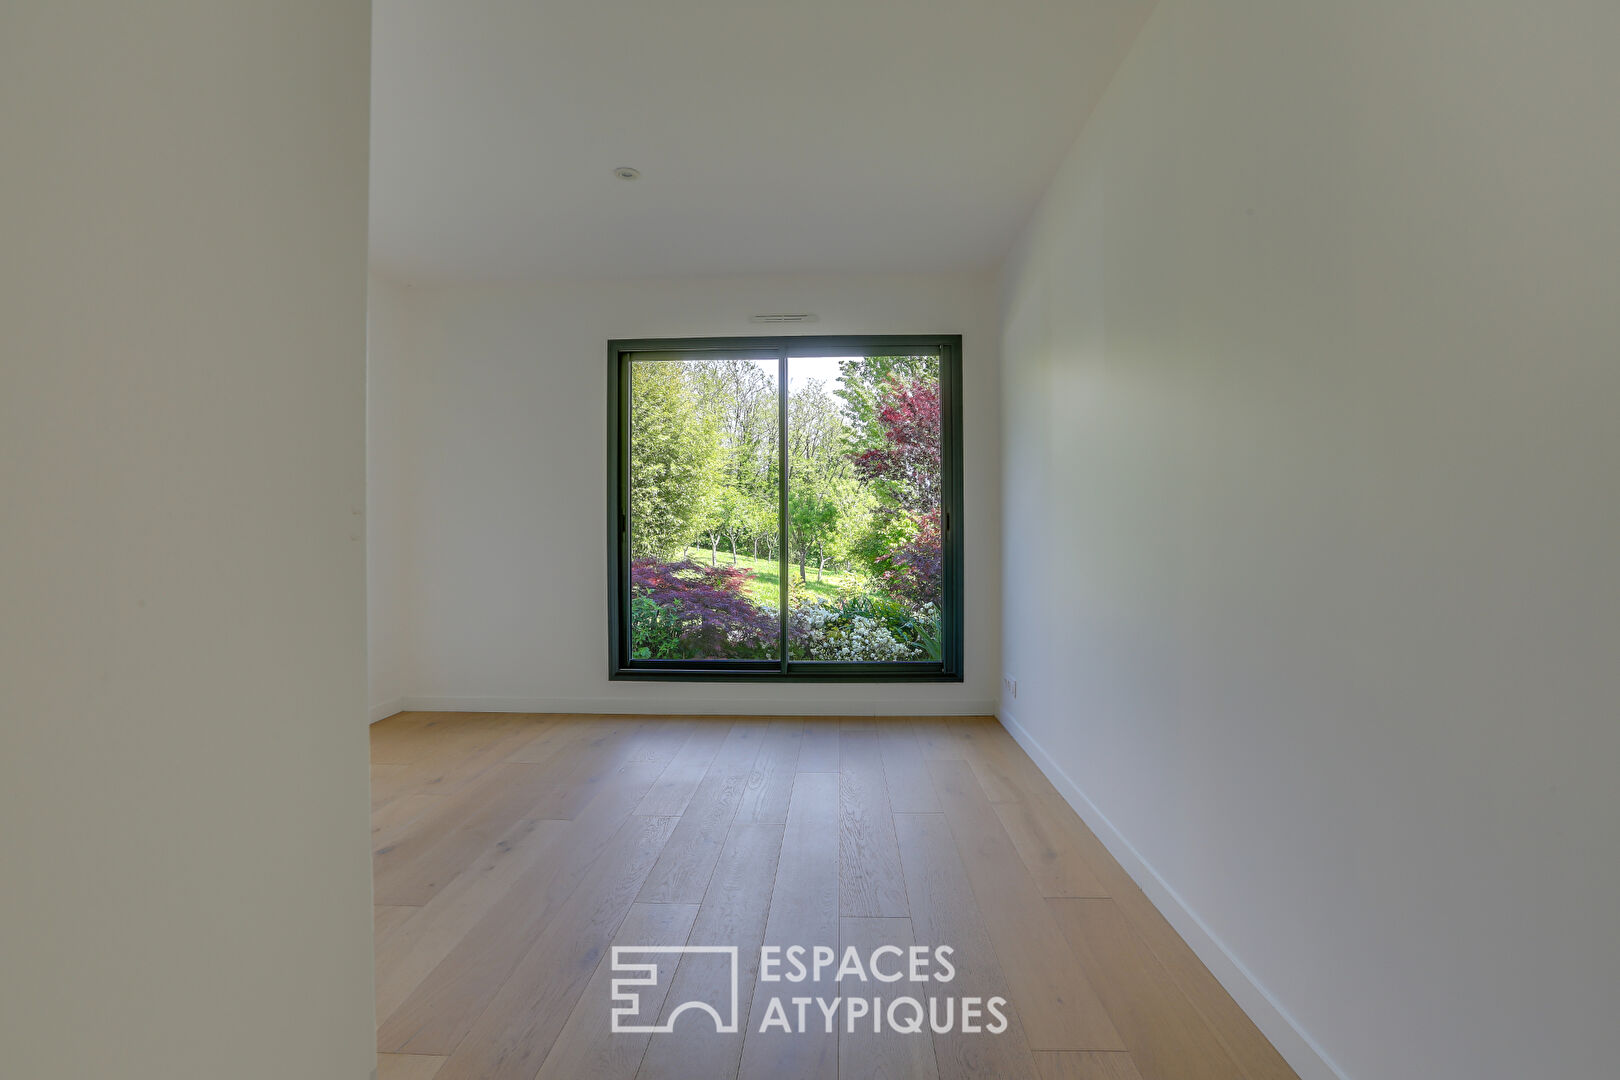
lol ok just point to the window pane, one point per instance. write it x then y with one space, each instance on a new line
704 510
864 491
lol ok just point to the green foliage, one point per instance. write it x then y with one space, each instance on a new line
929 635
674 451
864 381
654 628
739 398
879 535
827 504
815 425
812 509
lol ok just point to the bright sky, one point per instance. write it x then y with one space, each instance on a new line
802 369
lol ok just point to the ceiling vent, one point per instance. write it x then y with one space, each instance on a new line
784 317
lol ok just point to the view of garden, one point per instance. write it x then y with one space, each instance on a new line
863 541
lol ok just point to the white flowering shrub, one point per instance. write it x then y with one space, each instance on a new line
822 631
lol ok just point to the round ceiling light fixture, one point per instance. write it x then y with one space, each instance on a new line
625 172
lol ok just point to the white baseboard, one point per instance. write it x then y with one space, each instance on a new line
1291 1040
387 709
684 707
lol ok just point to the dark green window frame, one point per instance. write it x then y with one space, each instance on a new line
623 666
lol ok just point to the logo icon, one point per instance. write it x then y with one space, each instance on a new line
627 1002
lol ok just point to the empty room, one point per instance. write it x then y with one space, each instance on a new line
746 540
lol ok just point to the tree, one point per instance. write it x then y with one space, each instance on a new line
673 453
737 397
863 383
728 517
819 474
903 468
812 508
816 430
904 465
827 510
853 505
759 523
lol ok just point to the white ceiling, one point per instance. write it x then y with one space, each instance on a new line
772 135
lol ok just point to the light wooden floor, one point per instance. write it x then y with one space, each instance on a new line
511 851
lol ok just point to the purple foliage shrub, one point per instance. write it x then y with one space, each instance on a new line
913 571
703 609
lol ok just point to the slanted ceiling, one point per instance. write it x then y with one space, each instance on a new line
772 136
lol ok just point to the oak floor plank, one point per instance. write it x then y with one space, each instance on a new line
739 750
412 869
936 739
886 1053
804 912
1167 1037
389 780
403 738
408 1066
465 748
581 747
1004 771
685 771
682 871
442 1007
542 745
396 820
587 1046
770 786
1051 852
385 919
944 913
681 875
733 913
905 772
1059 1008
870 881
408 956
595 749
818 748
1085 1065
658 739
513 1034
407 960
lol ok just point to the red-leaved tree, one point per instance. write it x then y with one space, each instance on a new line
906 467
905 470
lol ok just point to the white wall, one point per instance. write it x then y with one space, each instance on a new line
500 397
389 500
1311 360
184 882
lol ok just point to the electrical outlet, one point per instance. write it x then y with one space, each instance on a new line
1010 684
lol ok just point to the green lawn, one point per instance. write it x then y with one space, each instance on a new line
765 586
